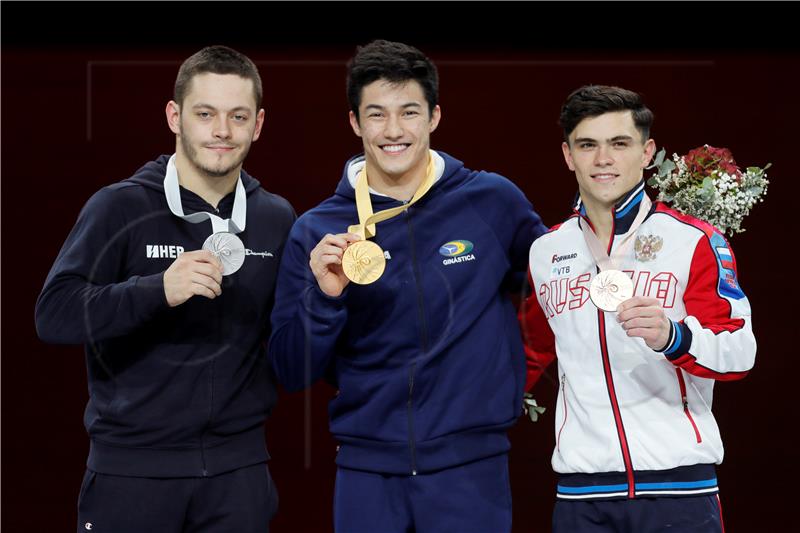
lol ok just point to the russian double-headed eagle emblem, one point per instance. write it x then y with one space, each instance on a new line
647 246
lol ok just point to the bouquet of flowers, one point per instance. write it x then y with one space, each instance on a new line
707 184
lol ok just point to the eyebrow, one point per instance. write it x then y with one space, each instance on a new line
380 107
611 140
209 106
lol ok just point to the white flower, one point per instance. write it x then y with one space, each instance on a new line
714 190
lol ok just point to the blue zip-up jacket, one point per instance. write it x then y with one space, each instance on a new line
428 360
173 391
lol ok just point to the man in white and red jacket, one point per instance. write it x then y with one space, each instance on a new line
636 441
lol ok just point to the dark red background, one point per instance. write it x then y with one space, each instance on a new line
83 92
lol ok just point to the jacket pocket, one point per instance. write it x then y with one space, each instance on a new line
685 403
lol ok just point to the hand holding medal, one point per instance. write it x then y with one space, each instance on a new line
363 261
611 287
223 242
326 262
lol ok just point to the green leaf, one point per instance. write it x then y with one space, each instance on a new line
660 157
531 409
666 168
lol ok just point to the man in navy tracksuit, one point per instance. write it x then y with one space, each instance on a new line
179 385
428 358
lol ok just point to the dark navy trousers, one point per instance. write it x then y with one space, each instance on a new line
471 498
695 514
242 501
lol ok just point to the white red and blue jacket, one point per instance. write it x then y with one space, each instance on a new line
631 421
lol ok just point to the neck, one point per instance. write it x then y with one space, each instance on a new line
401 187
602 219
211 189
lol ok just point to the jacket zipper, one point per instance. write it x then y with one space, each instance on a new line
210 420
612 393
410 407
564 423
685 402
423 343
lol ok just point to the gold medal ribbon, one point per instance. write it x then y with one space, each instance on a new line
367 219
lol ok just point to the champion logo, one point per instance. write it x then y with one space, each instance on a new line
248 251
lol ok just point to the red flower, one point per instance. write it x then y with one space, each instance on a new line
704 160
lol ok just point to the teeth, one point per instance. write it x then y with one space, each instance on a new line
394 148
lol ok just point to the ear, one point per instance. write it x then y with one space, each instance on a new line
259 123
354 124
568 156
173 112
436 116
649 150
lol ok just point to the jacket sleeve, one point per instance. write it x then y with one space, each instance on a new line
306 323
83 299
506 209
540 347
715 340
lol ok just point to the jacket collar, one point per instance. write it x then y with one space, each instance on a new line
625 209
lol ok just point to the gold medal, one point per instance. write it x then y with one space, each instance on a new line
363 262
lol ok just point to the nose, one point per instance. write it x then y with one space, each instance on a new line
222 129
393 128
603 156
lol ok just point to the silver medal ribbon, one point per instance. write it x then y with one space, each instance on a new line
611 286
223 242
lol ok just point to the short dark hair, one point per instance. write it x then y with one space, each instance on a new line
595 100
395 63
217 60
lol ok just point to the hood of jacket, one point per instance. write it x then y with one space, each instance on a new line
449 173
151 175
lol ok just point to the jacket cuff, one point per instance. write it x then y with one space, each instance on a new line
319 305
150 293
680 339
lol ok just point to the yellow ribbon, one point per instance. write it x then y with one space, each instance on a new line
366 219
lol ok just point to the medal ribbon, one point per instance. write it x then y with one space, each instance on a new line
366 219
235 224
601 257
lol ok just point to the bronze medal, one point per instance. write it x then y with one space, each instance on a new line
363 262
610 288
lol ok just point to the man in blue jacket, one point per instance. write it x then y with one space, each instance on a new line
423 345
168 278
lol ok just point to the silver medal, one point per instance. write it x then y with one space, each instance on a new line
228 248
610 288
